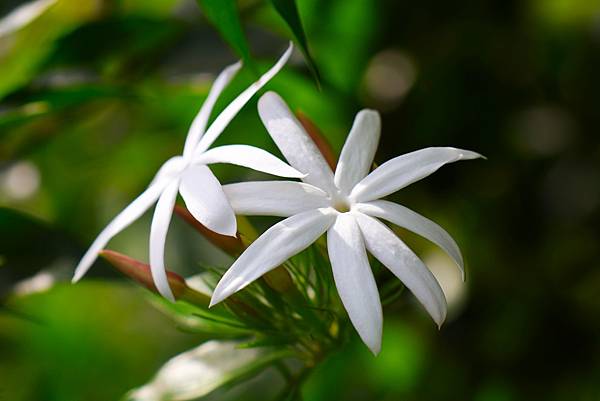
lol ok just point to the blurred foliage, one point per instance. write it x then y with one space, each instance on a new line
96 94
224 15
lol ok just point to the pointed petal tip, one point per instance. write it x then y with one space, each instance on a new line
230 231
468 155
78 275
214 300
289 49
375 348
168 296
165 290
233 68
439 321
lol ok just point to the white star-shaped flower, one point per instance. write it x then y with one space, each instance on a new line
189 175
347 205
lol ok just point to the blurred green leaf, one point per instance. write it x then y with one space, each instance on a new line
201 370
28 245
24 46
224 15
80 350
288 10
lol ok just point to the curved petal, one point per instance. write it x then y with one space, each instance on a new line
158 237
403 170
354 279
405 265
199 124
206 201
412 221
217 127
130 214
295 144
359 150
274 198
272 248
248 156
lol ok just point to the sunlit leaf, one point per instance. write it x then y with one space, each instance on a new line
223 14
288 10
201 370
29 38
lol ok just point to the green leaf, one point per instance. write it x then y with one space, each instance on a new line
29 39
224 15
204 369
288 10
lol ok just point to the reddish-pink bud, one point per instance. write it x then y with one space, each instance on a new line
231 245
140 272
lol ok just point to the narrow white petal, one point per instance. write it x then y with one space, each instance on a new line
412 221
158 237
217 127
204 197
275 246
248 156
405 265
130 214
274 198
22 15
199 124
354 279
295 144
403 170
359 150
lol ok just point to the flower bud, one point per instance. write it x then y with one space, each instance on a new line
230 245
140 272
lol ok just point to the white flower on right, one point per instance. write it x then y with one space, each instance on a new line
347 205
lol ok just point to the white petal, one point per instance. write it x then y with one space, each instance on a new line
170 169
406 218
206 201
403 170
200 371
405 265
274 198
248 156
275 246
295 144
199 124
234 107
130 214
354 279
158 237
359 150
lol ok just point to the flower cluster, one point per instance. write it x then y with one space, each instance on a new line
347 205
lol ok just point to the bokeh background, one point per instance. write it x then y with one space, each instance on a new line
96 94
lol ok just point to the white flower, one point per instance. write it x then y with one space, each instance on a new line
347 206
189 175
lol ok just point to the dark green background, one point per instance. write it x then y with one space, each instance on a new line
95 95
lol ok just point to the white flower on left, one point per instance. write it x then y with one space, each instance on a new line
189 175
347 205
